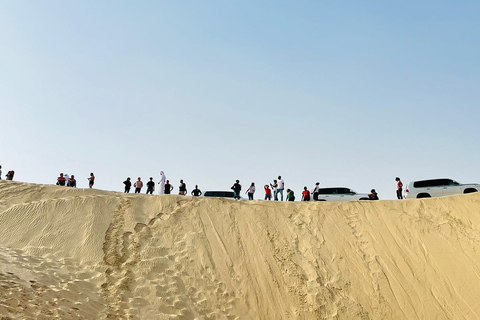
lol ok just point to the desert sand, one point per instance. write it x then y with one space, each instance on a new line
90 254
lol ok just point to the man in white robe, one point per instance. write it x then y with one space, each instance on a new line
163 178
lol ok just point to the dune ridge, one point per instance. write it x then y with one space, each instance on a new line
90 254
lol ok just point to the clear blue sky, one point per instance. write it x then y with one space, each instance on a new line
347 93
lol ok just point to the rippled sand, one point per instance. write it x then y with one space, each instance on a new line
92 254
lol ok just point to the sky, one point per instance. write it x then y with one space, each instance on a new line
346 93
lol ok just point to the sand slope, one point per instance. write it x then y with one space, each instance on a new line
91 254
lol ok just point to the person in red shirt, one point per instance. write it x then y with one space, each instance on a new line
268 192
305 194
399 188
61 180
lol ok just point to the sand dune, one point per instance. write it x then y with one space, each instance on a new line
91 254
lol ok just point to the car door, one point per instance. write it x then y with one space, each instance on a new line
435 188
451 187
343 194
325 194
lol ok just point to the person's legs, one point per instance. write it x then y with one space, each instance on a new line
250 196
281 193
315 196
399 194
275 195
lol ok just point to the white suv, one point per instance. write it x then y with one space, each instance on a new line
340 194
438 188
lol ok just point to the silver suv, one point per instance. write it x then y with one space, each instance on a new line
438 188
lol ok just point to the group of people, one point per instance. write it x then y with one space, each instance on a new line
70 181
164 188
277 187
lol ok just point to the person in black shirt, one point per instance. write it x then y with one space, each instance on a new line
150 186
128 185
373 195
168 187
182 190
196 192
237 187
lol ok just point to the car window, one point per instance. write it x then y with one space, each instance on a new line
432 183
343 190
221 194
326 191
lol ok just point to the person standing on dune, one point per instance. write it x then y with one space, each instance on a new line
315 191
281 186
182 189
237 187
168 187
196 192
399 188
250 191
274 186
305 194
138 185
150 186
268 192
161 189
128 185
91 180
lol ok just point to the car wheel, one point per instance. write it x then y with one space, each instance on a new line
364 199
470 190
423 195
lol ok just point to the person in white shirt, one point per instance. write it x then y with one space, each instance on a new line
251 191
315 191
274 188
281 186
